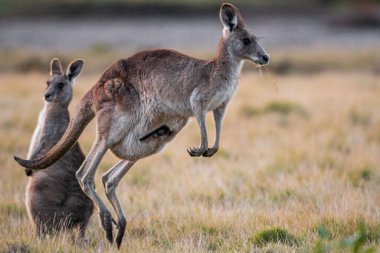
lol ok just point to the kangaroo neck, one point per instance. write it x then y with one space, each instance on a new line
227 66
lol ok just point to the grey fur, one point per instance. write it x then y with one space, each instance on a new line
153 90
54 199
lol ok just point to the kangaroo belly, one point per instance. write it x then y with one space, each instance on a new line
51 194
42 202
144 139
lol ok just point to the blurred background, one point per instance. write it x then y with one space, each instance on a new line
32 31
299 166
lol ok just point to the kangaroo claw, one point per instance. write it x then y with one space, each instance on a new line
209 152
196 151
28 172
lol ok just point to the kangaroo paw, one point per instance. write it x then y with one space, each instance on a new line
210 152
120 233
28 172
106 223
196 151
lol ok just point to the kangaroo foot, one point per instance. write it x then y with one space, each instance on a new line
161 131
164 130
210 152
196 151
106 223
121 231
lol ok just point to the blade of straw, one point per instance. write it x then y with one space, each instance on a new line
274 81
261 72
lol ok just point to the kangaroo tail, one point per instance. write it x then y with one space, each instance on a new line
84 113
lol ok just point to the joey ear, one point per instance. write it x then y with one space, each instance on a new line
55 67
230 17
74 69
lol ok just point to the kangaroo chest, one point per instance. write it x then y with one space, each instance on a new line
224 86
222 94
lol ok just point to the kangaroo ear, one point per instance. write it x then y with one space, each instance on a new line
230 17
55 67
74 69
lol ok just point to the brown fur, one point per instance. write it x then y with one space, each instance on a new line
152 90
54 198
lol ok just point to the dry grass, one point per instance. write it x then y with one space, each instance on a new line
308 158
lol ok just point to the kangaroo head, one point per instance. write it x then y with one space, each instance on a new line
60 85
240 42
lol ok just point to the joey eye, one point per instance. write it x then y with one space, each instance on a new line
47 83
246 41
60 85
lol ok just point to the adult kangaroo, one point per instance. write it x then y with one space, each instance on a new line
54 199
141 103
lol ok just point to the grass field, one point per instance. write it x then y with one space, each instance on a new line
298 171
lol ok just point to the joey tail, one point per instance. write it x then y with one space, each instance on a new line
84 113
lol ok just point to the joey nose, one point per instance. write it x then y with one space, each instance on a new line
48 97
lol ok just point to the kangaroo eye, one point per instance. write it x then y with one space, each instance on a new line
246 41
60 85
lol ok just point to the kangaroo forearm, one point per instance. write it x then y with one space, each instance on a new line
202 126
218 118
34 142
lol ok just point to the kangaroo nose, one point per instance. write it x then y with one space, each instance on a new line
48 97
265 59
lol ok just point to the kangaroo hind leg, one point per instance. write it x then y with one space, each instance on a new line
85 176
111 180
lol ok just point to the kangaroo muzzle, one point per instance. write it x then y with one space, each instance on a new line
263 59
49 97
